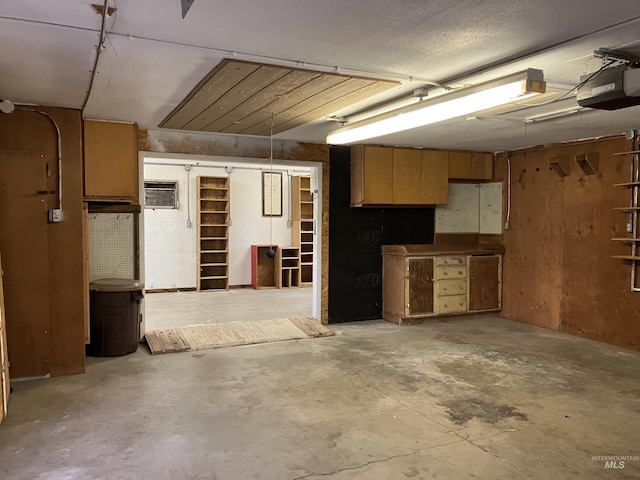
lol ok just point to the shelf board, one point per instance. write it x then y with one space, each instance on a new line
211 187
627 184
632 152
213 238
214 211
627 209
626 239
214 264
626 257
214 251
217 277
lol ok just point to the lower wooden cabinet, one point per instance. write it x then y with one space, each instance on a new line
484 282
421 286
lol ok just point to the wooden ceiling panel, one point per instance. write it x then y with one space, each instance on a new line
286 102
323 104
242 97
266 97
207 92
255 82
329 107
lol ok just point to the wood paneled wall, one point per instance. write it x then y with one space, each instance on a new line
558 272
24 131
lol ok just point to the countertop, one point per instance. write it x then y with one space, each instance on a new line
443 249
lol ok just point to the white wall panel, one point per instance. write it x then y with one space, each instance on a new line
170 246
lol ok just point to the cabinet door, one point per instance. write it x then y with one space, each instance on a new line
378 171
460 165
110 160
434 177
419 286
371 174
406 176
481 166
484 282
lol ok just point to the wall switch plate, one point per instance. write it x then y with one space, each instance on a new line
55 215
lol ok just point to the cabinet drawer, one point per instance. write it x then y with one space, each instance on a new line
452 304
451 271
451 287
451 260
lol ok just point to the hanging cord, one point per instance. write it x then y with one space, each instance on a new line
271 252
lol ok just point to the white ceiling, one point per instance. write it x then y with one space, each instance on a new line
154 58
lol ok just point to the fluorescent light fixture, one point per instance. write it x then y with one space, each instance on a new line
553 115
460 102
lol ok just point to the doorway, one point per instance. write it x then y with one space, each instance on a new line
169 227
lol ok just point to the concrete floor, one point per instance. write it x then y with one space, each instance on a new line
178 309
477 398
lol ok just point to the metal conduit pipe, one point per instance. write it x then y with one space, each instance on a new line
234 167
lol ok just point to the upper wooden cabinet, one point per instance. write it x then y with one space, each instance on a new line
434 177
384 176
110 161
470 166
371 175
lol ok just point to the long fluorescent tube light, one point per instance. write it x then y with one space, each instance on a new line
444 107
553 115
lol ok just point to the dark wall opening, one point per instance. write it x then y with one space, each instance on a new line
356 236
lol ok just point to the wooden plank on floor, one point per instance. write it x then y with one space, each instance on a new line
312 328
166 341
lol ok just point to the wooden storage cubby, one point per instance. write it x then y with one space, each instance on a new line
302 228
264 270
213 233
288 262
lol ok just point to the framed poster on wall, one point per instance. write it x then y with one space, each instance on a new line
271 194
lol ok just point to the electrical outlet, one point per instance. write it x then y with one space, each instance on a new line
55 215
629 227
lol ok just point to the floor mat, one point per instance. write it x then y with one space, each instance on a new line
219 335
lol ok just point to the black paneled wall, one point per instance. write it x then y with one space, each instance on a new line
356 236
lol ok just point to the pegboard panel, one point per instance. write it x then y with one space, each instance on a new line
111 245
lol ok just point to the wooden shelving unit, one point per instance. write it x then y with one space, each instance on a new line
213 233
634 187
288 263
264 270
303 225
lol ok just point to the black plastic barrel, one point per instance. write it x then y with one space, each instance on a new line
114 317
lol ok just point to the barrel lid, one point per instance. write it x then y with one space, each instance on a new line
116 285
